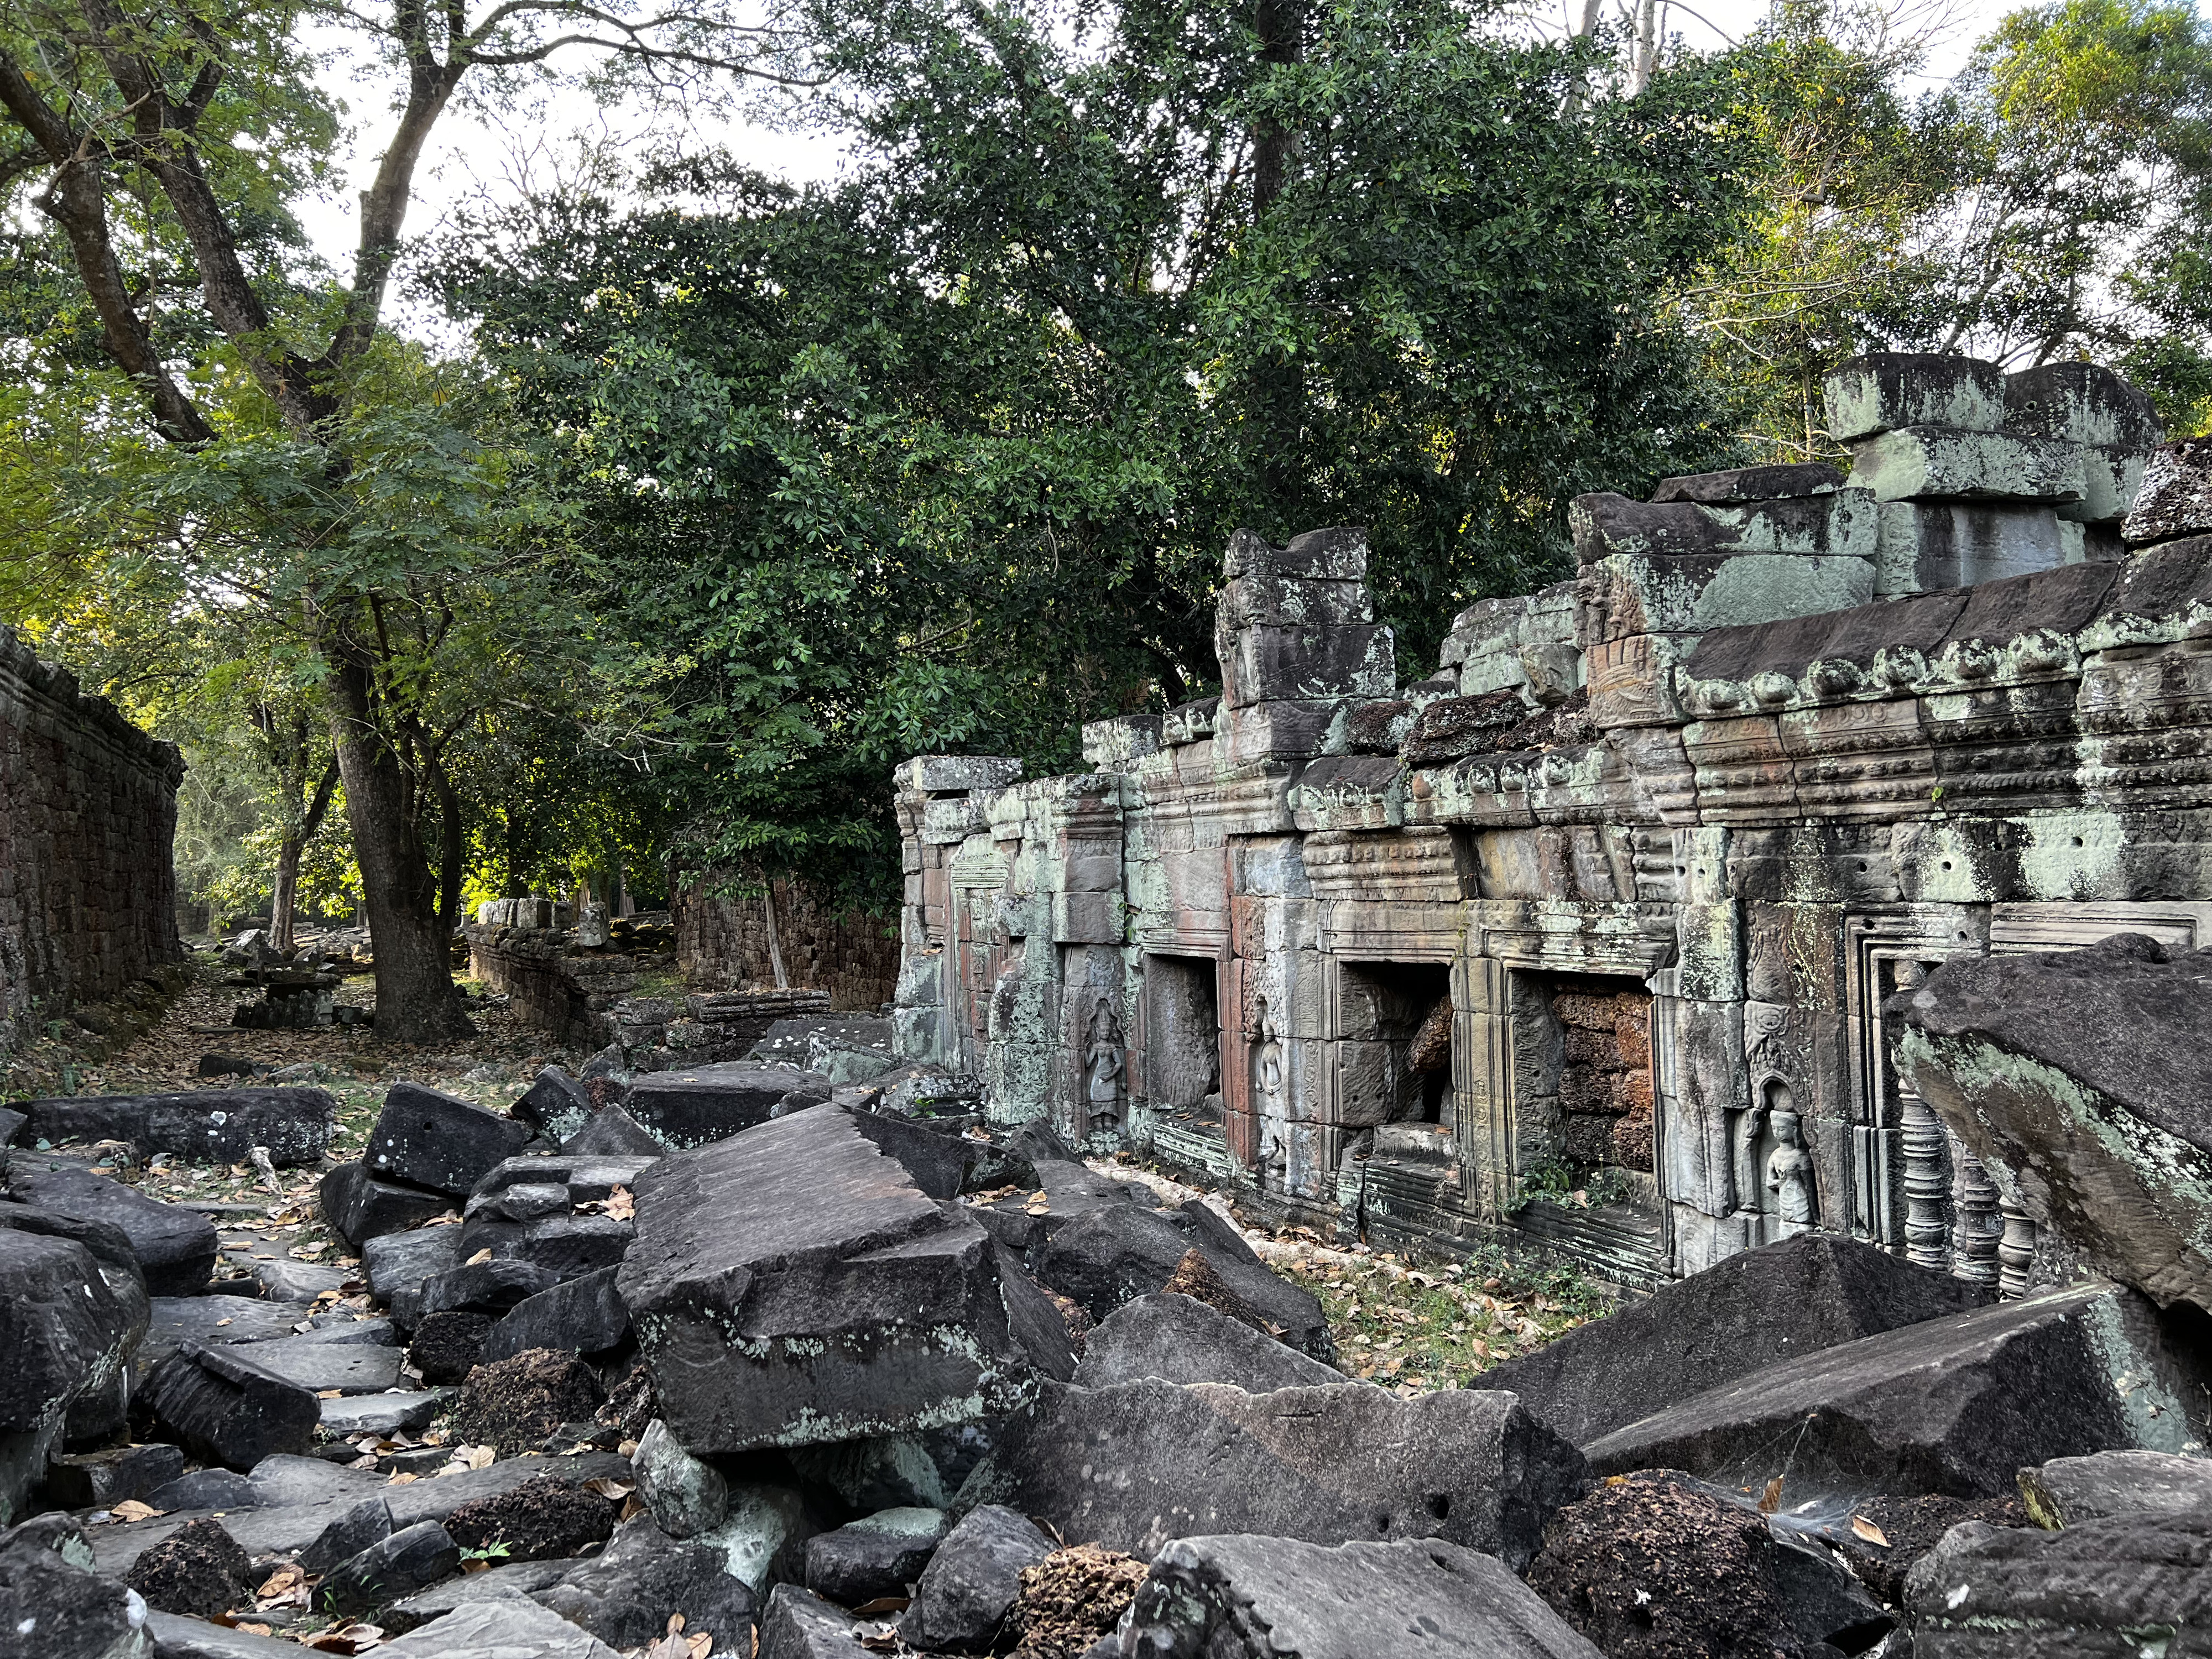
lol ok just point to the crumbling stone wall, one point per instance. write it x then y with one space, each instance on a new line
844 950
88 811
1790 740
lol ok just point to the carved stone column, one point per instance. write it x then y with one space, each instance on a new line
2015 1252
1977 1226
1927 1162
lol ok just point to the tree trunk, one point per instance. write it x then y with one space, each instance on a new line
417 1000
774 943
284 896
452 849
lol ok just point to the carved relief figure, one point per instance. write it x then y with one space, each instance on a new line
1267 1089
1789 1175
1102 1066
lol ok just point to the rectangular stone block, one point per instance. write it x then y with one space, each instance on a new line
1923 546
1270 599
1087 918
1885 390
1260 665
1693 593
1283 730
1631 681
948 773
1604 523
1922 462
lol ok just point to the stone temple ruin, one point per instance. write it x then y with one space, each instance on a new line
1615 900
1800 915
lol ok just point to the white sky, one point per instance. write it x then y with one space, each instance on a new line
472 156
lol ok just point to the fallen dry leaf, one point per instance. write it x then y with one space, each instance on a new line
621 1205
609 1488
223 1321
401 1478
330 1394
1867 1530
131 1509
479 1258
284 1578
1770 1499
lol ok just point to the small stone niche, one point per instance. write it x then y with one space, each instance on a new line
1581 1072
1182 1031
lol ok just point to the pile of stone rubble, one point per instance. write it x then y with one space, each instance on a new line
739 1359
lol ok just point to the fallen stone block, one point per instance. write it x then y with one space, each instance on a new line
545 1519
364 1526
504 1627
878 1555
212 1126
564 1245
399 1413
1952 1405
214 1320
625 1595
1113 1253
692 1105
972 1581
400 1261
513 1404
2073 1076
101 1480
67 1338
508 1582
359 1207
54 1606
221 1406
178 1637
207 1489
1139 1463
2125 1584
761 1534
1758 1307
585 1315
176 1248
1180 1340
198 1569
611 1132
1257 1598
556 1104
355 1367
1752 483
484 1287
793 1286
799 1624
686 1495
2068 1491
447 1346
412 1559
430 1139
287 1280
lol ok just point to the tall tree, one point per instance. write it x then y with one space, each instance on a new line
944 455
141 135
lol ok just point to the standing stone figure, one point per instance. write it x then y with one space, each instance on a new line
1102 1067
1789 1176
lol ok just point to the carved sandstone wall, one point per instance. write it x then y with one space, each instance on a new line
88 811
1670 837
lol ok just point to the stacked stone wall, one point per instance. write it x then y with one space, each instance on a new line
845 950
87 811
